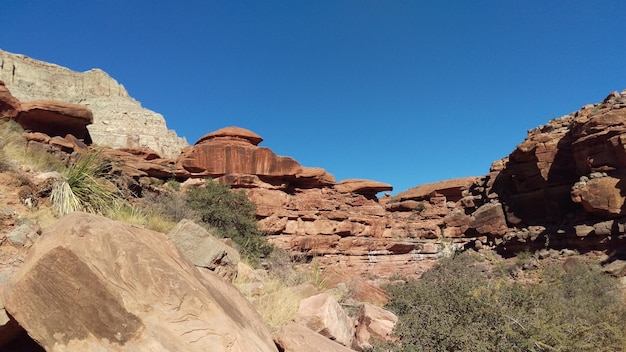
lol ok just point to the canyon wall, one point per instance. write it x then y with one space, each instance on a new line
119 120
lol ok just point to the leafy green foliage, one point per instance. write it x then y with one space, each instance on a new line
83 188
460 306
232 215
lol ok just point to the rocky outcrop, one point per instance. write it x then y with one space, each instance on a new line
374 324
364 187
9 105
294 337
322 314
93 284
56 118
451 189
204 250
119 120
233 152
568 175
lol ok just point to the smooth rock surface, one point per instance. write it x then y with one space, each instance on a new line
294 337
322 314
93 284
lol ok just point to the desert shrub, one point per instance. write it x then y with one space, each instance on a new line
458 306
83 189
232 214
169 205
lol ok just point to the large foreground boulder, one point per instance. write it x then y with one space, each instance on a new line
93 284
294 337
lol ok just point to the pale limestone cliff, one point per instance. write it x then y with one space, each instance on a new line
119 120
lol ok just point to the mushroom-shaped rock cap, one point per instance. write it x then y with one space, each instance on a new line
233 132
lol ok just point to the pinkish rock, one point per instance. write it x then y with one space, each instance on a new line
93 284
294 337
489 219
452 189
365 187
603 196
217 154
232 133
322 314
234 151
373 324
314 177
142 152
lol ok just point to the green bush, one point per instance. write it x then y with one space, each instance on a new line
459 305
232 215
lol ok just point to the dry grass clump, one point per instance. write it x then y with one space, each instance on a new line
83 189
277 303
138 216
14 151
273 291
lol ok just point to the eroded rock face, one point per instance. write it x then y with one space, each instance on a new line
364 187
93 284
119 120
56 118
451 189
568 175
234 151
9 105
537 180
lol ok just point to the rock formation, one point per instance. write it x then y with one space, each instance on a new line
56 118
566 176
119 120
9 105
93 284
233 153
297 338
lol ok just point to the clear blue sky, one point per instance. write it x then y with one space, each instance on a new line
403 92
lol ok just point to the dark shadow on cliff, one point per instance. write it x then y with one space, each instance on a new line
530 199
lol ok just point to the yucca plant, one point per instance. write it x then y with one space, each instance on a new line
83 189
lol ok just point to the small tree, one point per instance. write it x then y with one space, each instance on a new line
232 215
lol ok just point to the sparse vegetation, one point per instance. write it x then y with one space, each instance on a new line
83 189
13 150
277 303
458 306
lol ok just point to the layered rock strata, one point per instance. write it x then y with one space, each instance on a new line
564 185
119 120
233 154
